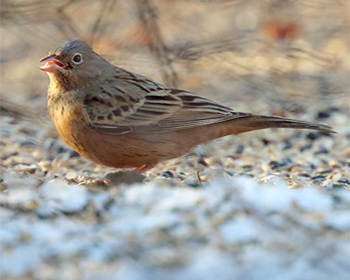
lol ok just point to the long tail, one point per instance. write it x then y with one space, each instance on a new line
254 122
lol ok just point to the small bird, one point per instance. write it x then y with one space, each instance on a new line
120 119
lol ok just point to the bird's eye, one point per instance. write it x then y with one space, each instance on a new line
77 58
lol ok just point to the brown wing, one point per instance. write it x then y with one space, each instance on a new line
131 102
196 111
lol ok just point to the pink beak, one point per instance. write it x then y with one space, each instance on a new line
52 64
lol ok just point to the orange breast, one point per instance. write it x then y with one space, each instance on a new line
70 121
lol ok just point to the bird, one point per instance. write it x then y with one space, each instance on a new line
120 119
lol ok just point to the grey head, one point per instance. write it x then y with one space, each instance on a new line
74 64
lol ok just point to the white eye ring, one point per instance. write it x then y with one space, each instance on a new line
77 58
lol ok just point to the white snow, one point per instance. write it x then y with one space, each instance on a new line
232 228
241 229
339 221
58 195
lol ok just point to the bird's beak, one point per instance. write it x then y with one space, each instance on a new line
52 64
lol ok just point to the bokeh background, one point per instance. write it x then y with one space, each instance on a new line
281 50
194 217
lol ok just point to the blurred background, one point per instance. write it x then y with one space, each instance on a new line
249 54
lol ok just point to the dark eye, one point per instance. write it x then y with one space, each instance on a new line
77 58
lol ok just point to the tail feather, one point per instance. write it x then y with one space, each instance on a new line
261 122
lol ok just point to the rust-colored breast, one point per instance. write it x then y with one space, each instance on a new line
70 120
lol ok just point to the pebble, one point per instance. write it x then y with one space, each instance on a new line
335 177
9 155
318 177
71 175
126 177
327 183
73 154
18 159
306 147
26 168
304 175
28 143
274 164
192 181
168 174
313 135
266 142
45 165
287 145
345 181
334 164
296 135
286 161
239 149
323 115
202 161
247 168
181 175
325 171
322 150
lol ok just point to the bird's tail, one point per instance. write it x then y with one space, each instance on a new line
255 122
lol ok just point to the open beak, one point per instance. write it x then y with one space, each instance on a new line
52 64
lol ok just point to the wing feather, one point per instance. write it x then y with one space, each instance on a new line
129 102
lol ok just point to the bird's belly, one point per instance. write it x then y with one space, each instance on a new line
126 151
118 151
138 149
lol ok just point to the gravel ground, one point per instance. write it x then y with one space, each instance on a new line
271 204
228 229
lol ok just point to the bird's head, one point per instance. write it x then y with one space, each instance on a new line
73 64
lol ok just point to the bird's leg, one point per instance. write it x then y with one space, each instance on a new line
142 168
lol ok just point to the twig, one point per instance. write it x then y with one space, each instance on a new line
148 18
96 31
